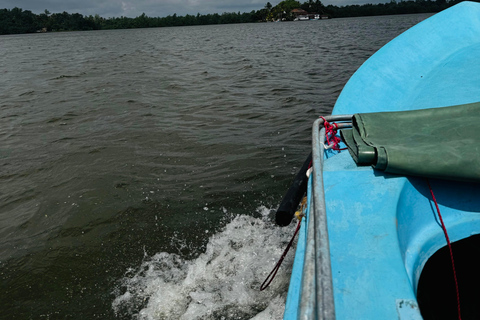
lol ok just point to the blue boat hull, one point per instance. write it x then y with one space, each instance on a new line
381 227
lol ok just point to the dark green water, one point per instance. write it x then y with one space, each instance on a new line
138 167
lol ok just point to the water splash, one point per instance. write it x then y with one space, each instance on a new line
222 283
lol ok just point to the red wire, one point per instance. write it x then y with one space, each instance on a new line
449 248
273 273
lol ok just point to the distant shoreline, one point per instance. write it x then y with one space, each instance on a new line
19 21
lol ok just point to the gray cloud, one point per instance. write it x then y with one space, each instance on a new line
152 8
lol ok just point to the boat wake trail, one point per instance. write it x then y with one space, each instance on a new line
222 283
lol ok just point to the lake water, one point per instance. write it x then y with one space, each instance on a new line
139 168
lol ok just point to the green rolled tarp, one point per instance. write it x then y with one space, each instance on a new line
441 143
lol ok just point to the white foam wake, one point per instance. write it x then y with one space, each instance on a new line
222 283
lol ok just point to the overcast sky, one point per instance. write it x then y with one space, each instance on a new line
152 8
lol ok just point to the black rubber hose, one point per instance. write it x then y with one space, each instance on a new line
294 195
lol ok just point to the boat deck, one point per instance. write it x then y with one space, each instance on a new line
387 215
382 227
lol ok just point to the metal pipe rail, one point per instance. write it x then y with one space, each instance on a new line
317 287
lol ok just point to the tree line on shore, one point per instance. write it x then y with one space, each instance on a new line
16 20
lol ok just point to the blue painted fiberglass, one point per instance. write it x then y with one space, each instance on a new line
381 227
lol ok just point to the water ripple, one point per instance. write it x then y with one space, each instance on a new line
120 143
